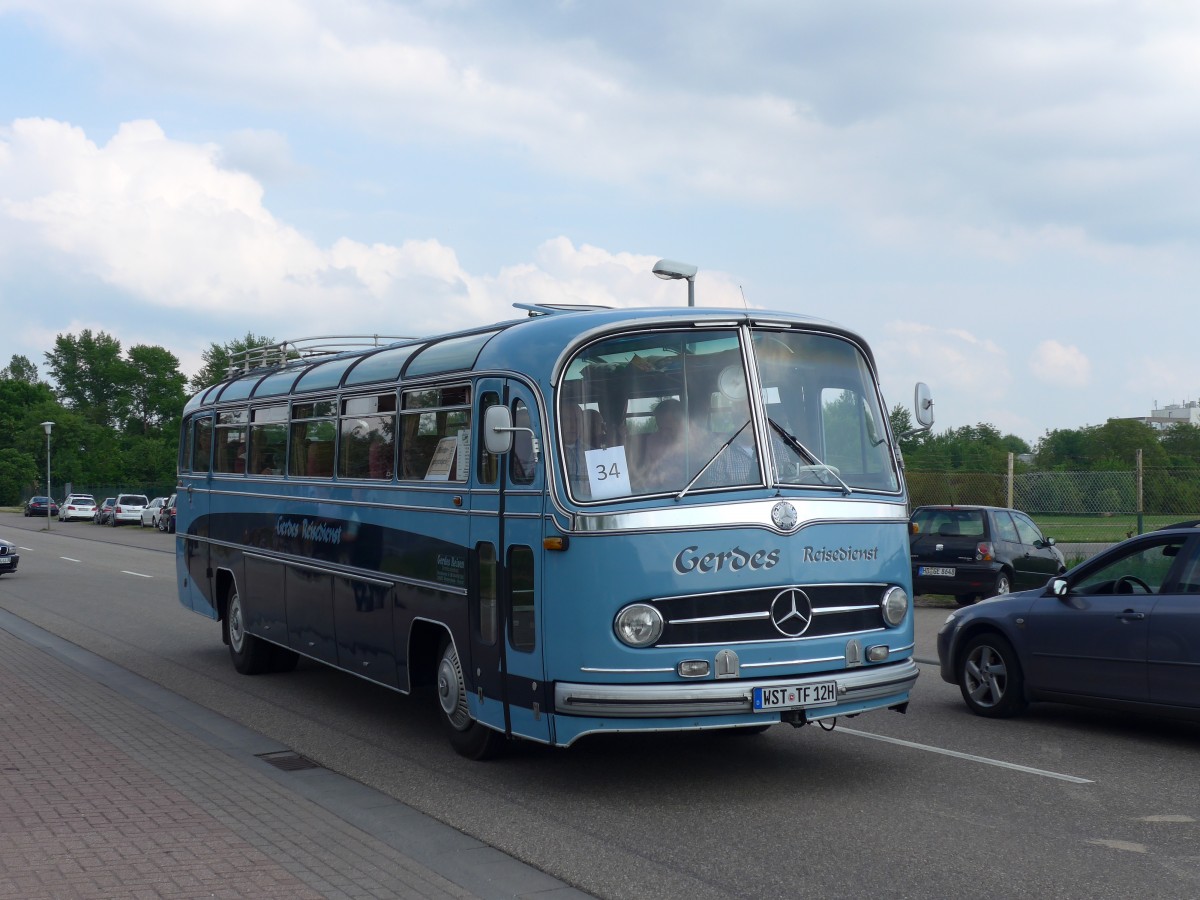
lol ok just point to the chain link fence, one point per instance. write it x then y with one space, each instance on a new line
1083 507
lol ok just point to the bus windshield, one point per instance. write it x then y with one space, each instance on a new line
672 411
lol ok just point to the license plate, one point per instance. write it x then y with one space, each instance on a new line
935 570
5 560
794 696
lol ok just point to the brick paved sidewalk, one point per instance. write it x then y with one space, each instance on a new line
101 796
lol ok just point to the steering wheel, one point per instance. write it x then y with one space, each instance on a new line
1126 583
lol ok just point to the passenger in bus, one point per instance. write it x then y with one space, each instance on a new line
574 448
594 430
268 465
664 450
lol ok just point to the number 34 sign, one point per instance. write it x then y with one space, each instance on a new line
608 473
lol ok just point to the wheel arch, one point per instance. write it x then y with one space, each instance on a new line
224 584
424 641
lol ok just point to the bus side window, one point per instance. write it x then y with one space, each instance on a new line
202 446
522 632
231 437
489 463
488 611
521 463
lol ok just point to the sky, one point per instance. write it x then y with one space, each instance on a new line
1003 199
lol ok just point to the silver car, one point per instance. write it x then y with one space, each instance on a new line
152 511
77 506
128 509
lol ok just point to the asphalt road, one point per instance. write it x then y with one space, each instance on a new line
1062 802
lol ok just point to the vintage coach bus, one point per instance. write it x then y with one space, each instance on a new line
580 521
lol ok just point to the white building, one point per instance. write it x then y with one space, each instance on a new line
1175 412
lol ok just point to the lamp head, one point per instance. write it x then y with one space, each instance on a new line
669 269
47 426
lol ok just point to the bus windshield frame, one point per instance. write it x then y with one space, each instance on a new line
687 411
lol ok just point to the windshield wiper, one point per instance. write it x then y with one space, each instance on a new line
794 442
712 459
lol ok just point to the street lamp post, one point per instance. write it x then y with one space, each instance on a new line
49 493
670 270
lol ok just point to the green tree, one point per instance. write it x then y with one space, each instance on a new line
1181 442
18 471
157 389
219 358
91 376
21 369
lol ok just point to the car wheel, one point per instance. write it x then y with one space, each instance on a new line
467 737
250 655
990 678
1003 584
966 599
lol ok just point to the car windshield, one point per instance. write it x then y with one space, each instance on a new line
670 412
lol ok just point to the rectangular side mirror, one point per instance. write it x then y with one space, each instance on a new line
497 429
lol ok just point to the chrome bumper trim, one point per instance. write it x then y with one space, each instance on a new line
718 698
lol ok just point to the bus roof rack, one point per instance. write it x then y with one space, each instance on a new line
278 354
553 309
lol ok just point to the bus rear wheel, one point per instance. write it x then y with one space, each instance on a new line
467 737
250 655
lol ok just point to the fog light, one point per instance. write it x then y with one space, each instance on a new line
879 653
693 668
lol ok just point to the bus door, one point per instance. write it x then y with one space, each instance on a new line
192 503
506 542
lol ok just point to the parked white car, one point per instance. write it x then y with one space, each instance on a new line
151 512
77 506
128 509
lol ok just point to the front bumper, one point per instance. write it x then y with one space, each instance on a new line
886 684
11 565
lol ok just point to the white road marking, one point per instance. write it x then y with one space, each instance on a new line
1074 779
27 549
138 574
69 558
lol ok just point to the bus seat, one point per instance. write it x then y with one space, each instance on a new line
379 460
320 459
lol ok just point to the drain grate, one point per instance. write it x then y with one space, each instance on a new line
288 760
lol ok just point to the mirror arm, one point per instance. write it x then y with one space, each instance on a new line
529 431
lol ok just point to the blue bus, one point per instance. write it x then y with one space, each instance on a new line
579 521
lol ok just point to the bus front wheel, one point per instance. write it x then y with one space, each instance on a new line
467 737
250 655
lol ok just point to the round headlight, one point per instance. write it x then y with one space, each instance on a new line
639 625
895 605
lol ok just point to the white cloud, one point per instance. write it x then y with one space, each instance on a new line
161 221
1043 116
1060 365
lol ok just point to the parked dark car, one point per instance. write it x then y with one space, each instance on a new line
1121 630
8 556
36 506
978 551
104 511
166 517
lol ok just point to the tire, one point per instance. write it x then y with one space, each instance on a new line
467 737
966 599
1003 584
989 676
250 655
